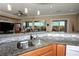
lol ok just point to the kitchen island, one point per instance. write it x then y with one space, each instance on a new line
8 43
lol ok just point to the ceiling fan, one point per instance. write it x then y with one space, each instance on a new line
20 13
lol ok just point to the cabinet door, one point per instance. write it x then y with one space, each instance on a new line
48 53
52 52
61 50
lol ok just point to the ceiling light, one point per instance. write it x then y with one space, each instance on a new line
9 7
26 10
38 12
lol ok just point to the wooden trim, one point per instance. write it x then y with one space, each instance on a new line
65 50
56 49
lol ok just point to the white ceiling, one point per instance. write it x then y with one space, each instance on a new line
57 8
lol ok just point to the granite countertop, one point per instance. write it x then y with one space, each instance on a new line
8 44
10 48
26 36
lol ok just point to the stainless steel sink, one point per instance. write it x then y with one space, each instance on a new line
30 43
24 44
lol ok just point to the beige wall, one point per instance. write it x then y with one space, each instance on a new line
71 21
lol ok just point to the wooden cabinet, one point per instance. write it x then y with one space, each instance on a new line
49 53
38 52
50 50
61 50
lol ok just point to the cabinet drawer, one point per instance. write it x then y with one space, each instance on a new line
38 52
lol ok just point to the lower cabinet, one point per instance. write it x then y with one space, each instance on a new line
50 50
61 50
38 52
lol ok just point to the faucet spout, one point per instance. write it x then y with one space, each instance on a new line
31 37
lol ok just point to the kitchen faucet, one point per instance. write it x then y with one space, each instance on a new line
32 36
31 39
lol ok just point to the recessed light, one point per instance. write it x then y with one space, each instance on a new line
38 12
9 7
26 10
